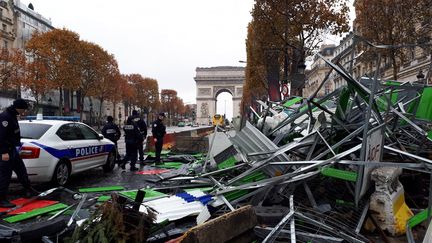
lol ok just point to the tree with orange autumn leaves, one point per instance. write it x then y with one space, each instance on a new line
60 60
12 69
394 23
289 30
172 104
57 50
146 92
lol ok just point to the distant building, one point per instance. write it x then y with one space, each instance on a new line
319 70
18 22
28 21
417 60
7 33
212 81
344 56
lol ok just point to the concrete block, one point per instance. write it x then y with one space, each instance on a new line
387 203
222 228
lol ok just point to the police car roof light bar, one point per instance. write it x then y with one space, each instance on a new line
60 118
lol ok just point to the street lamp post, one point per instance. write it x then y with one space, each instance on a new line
91 111
49 105
225 109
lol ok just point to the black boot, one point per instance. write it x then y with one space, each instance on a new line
30 192
4 203
133 168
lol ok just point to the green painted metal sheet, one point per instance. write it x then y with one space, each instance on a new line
103 198
203 189
235 194
339 174
343 103
102 189
256 176
149 194
292 101
230 162
424 110
170 165
34 213
418 218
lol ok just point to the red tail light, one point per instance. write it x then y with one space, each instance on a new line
29 152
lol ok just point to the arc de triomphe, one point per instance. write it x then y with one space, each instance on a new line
210 82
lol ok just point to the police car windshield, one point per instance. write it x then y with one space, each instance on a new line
32 130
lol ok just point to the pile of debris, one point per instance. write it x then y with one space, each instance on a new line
353 166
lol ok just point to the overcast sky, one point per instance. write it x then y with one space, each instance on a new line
161 39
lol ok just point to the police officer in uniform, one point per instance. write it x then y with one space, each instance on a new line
112 132
132 139
158 131
9 149
142 126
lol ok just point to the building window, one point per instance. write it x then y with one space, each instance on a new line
5 44
24 25
4 27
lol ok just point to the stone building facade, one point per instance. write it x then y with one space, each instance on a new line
319 70
26 22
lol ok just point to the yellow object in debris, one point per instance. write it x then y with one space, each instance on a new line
402 214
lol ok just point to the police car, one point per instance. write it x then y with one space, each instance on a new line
52 150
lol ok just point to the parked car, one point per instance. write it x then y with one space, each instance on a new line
181 124
54 150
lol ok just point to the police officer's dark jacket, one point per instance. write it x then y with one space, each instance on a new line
142 126
9 130
158 129
132 132
111 131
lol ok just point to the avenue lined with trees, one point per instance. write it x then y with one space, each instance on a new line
59 60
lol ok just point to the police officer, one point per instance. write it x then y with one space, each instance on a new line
142 126
9 149
112 132
132 139
158 131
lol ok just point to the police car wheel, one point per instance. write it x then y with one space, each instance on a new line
61 173
110 163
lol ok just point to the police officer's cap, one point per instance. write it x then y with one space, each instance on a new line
20 104
162 114
110 118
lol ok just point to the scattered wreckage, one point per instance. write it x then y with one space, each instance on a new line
353 166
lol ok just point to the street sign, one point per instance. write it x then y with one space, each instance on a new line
374 150
285 90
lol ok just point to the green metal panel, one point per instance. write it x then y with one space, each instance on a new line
148 194
170 165
340 174
424 110
256 176
230 162
343 102
418 218
102 189
34 213
132 194
292 101
235 194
